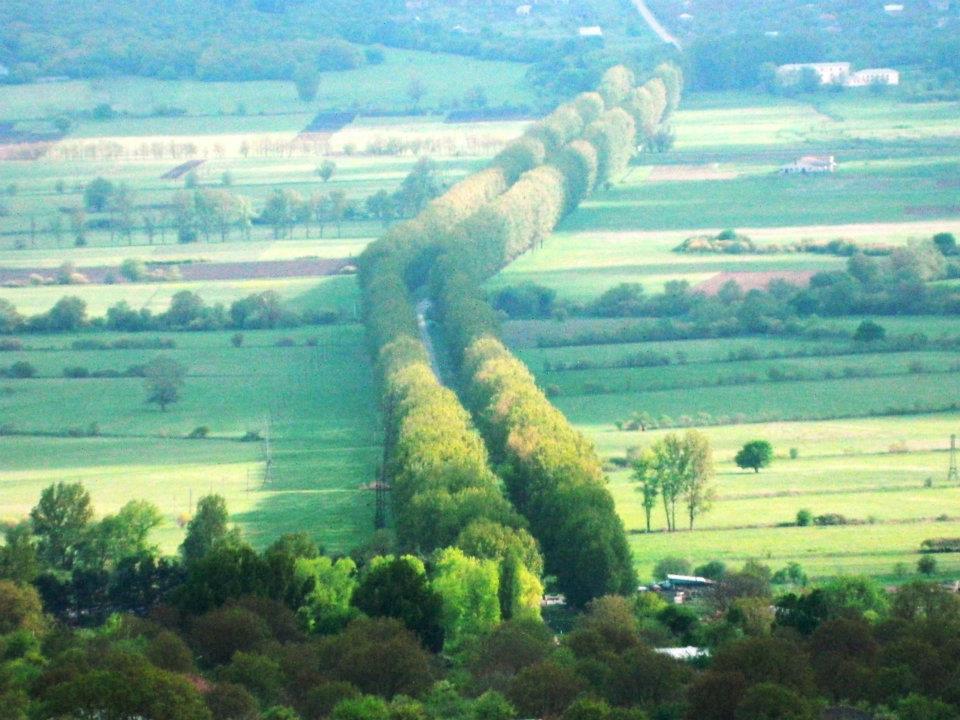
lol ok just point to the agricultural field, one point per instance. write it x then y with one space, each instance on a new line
857 433
307 393
267 105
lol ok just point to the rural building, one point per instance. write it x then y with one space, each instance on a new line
553 601
829 73
683 653
590 31
524 10
811 164
893 8
873 76
677 589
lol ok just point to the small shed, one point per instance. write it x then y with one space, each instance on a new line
809 164
590 31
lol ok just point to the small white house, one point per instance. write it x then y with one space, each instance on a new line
524 10
873 76
588 31
809 164
893 8
829 73
683 653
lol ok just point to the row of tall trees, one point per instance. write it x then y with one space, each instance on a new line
553 475
445 497
460 238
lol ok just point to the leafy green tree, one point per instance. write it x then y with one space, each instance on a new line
67 315
163 378
326 170
97 194
754 455
379 656
769 701
927 565
261 675
218 634
869 331
60 521
10 319
398 588
306 78
365 707
946 242
229 701
20 608
418 188
545 689
493 706
122 535
671 565
683 467
206 528
416 89
124 685
470 591
18 554
327 605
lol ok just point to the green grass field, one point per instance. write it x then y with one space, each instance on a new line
317 401
446 78
898 165
844 467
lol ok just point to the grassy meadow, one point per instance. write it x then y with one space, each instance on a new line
828 400
315 402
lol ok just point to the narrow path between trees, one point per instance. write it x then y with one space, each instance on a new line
423 307
655 25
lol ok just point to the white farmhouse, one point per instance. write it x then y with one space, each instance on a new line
893 8
873 76
829 73
524 10
590 31
810 164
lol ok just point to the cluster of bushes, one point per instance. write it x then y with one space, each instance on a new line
20 370
940 545
897 284
156 343
772 375
79 372
187 311
730 242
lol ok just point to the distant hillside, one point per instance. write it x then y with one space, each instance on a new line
728 42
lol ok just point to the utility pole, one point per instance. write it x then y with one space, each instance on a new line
953 475
267 455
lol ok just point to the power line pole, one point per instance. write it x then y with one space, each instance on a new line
267 455
953 475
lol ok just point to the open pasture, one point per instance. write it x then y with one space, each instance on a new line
874 471
37 210
743 122
383 87
885 473
753 377
338 293
860 192
315 402
791 400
